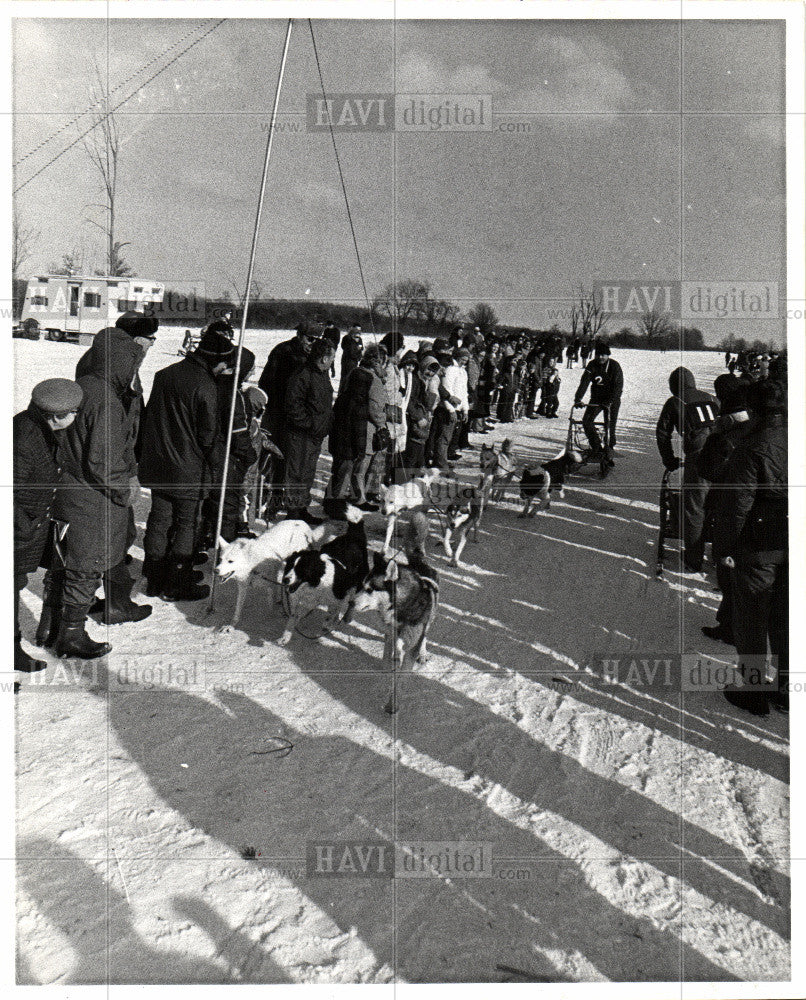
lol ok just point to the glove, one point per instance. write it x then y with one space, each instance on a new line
673 464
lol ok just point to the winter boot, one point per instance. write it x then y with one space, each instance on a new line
73 641
179 584
51 616
118 607
154 573
23 662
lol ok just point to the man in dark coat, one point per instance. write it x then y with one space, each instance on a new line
606 381
284 361
691 414
352 347
309 404
181 444
96 496
752 531
117 606
732 425
37 434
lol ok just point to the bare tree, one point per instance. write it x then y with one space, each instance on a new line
102 146
483 316
403 300
592 317
22 242
656 324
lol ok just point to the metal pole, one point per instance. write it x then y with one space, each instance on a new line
247 294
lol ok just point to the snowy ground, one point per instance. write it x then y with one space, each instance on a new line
636 833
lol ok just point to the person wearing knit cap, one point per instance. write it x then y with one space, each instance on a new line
182 444
37 435
139 327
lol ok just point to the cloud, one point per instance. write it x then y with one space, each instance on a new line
417 73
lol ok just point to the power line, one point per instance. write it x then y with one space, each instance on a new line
95 104
341 178
120 104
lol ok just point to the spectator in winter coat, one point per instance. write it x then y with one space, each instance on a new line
752 531
550 395
181 445
732 425
284 360
368 426
242 456
691 414
456 379
309 405
423 400
606 381
397 387
506 383
37 434
99 466
352 347
117 606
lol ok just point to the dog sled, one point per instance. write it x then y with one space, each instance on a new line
671 519
577 440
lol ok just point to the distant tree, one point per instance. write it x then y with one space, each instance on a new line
592 317
402 301
656 325
68 266
483 316
22 241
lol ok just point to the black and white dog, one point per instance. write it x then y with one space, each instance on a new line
406 596
539 482
332 573
462 515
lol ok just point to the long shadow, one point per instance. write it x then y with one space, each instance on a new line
445 724
332 789
106 947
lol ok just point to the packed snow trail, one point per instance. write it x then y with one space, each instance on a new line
636 833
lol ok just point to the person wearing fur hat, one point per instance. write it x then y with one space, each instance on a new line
37 435
181 445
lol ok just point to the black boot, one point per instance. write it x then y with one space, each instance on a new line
119 608
179 584
51 616
154 573
73 640
23 662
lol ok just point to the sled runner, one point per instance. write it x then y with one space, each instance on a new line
577 440
670 518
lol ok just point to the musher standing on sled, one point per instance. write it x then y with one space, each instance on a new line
606 381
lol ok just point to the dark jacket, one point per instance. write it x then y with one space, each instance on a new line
284 361
689 411
712 463
752 526
351 351
133 396
420 410
37 473
309 402
606 381
98 456
182 440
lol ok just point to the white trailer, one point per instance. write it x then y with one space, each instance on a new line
76 307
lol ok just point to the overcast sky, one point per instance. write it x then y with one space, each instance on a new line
606 180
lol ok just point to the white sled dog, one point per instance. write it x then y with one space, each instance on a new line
259 562
414 494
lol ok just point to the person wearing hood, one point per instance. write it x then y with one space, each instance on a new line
181 445
690 413
37 438
753 540
96 494
117 606
423 400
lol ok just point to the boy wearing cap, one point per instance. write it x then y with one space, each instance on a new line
37 434
181 445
